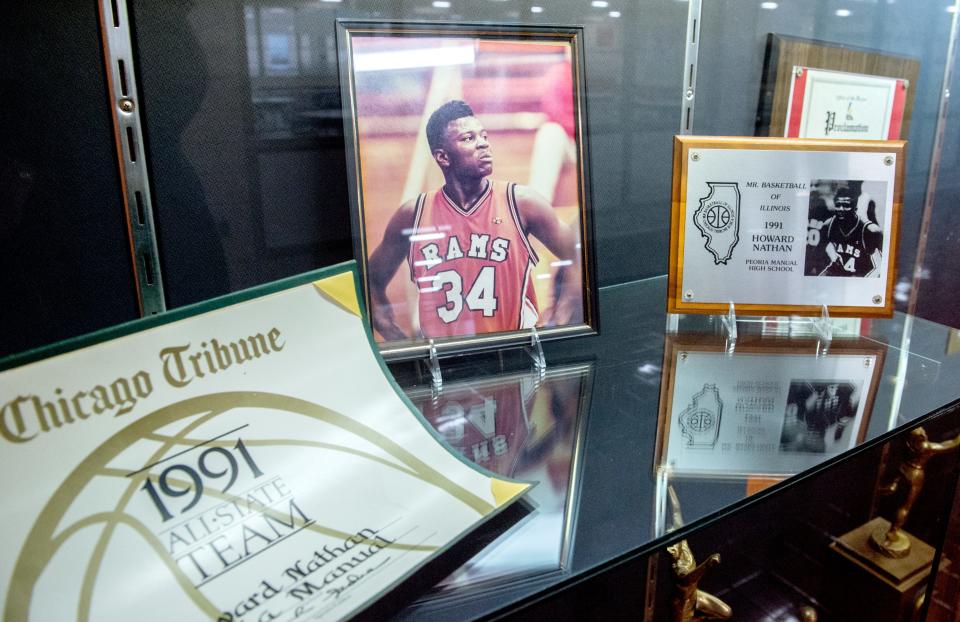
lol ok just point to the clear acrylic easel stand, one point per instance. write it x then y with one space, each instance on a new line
535 352
824 329
823 326
433 364
729 322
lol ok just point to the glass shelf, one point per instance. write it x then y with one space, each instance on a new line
618 497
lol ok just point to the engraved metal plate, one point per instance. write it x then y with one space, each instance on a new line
784 225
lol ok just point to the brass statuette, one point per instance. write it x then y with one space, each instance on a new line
691 604
893 542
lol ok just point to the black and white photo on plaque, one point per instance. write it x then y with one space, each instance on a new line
845 228
819 415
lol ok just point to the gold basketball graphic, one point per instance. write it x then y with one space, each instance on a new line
201 462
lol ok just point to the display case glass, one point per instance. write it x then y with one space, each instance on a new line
243 142
787 417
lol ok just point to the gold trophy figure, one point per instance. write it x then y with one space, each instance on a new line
691 604
893 542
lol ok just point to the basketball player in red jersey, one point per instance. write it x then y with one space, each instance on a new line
467 244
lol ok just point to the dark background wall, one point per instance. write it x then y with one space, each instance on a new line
64 255
939 285
262 151
247 167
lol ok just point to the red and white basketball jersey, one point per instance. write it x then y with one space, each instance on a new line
472 266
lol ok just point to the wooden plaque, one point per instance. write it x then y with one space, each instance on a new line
782 226
785 54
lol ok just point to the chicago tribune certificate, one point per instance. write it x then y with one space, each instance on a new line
247 462
784 225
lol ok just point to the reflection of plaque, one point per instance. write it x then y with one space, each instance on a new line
784 226
772 408
873 89
700 422
530 428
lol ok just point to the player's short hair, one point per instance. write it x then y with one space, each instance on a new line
441 117
846 197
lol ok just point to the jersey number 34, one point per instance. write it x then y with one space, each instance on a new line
480 297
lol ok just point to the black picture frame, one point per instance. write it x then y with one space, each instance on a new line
417 342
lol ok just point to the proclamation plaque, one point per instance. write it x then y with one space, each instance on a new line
784 226
837 104
818 89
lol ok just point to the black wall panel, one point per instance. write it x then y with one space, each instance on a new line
248 166
64 257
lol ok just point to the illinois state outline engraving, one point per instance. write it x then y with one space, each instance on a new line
718 219
700 421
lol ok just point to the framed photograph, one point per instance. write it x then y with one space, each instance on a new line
784 226
529 427
815 89
467 159
771 409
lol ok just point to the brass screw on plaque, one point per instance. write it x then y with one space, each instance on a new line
683 356
126 105
688 294
877 300
888 160
866 362
798 71
695 156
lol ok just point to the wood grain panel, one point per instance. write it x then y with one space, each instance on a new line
784 53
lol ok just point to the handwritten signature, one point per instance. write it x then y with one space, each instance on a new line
353 579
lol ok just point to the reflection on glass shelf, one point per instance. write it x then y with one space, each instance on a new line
773 325
773 407
528 428
804 327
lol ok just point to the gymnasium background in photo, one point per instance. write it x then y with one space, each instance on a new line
523 94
